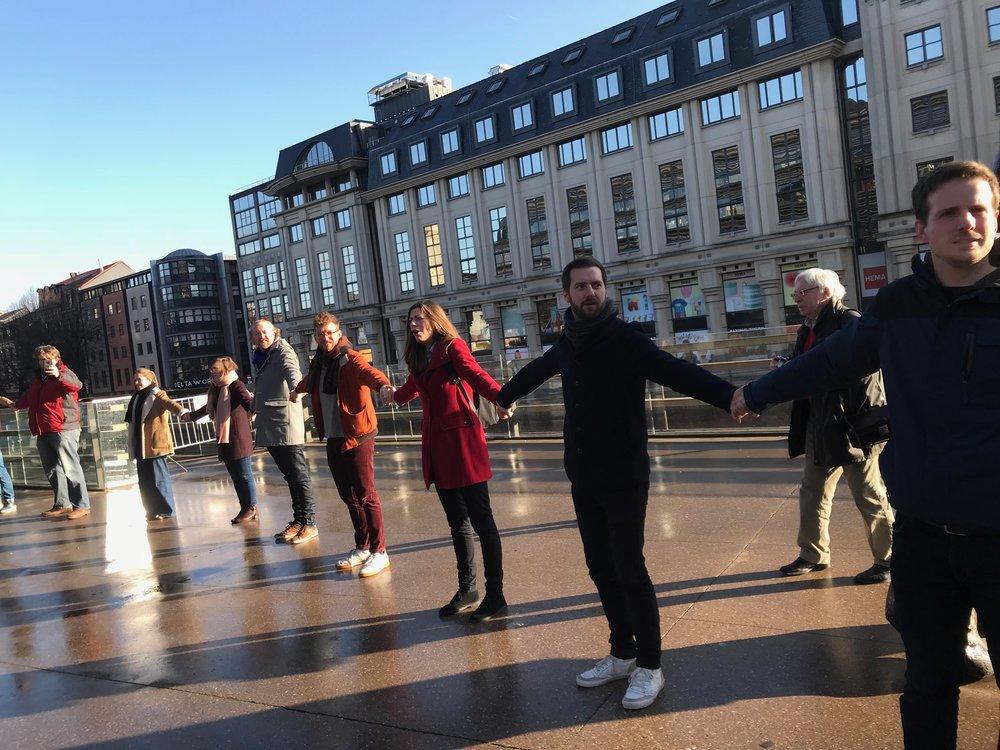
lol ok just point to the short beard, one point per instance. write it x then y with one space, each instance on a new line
579 313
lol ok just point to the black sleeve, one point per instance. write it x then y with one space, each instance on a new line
528 378
684 377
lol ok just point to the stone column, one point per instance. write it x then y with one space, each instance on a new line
663 313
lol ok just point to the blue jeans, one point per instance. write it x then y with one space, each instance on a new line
6 483
61 464
938 578
155 489
241 472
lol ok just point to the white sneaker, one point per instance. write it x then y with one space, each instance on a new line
643 687
608 669
354 558
374 565
8 508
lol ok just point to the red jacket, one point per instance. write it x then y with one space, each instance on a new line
452 438
53 404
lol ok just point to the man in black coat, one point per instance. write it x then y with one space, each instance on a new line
819 430
936 336
604 364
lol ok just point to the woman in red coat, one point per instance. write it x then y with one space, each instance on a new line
445 375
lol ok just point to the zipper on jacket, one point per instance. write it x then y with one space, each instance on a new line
968 355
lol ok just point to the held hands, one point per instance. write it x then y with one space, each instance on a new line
5 402
505 413
738 407
385 393
294 396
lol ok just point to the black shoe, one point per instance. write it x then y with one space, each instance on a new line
800 567
875 574
460 602
491 606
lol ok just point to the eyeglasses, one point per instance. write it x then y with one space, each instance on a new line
802 292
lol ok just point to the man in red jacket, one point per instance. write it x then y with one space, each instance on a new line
53 406
340 383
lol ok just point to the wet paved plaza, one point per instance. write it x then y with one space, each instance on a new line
194 633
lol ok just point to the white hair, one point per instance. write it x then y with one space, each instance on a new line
825 278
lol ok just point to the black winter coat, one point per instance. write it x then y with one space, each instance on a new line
832 446
940 360
604 390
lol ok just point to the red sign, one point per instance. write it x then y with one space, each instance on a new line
875 277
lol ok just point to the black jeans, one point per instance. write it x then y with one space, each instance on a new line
468 509
938 578
612 527
291 462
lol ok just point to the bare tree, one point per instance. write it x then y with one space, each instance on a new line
27 301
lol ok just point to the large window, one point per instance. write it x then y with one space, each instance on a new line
923 46
789 178
449 141
562 102
675 212
770 29
397 204
479 332
404 259
664 124
435 260
711 50
623 203
744 300
729 190
688 310
458 185
538 233
930 112
993 24
343 219
849 12
501 241
272 241
484 130
550 321
302 277
521 116
721 107
426 195
319 226
247 284
246 220
260 280
351 281
617 138
418 153
572 152
530 164
273 280
326 280
295 233
579 221
657 69
388 163
248 248
492 176
268 208
515 333
607 86
781 89
466 249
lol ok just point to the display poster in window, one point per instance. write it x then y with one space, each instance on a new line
479 332
744 300
550 322
789 272
687 305
515 335
873 272
636 308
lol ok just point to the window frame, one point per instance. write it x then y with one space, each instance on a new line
530 104
492 119
627 125
468 189
619 82
492 168
458 142
421 143
989 27
724 60
520 164
923 47
566 112
796 76
769 14
395 204
420 188
679 109
667 53
395 163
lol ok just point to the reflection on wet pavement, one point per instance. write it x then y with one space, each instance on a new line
191 631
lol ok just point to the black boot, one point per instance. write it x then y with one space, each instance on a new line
460 602
493 604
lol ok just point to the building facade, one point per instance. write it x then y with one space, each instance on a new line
705 152
143 328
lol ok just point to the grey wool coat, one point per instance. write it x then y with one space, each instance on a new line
279 421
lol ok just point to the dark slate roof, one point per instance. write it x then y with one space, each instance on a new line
812 22
344 140
184 252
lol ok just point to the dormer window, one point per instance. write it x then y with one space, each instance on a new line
573 55
465 98
496 85
538 68
623 35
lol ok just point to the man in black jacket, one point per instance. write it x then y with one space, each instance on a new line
936 336
819 430
604 364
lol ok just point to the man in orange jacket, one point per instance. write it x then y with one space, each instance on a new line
340 383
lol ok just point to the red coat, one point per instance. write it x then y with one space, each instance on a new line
53 404
452 437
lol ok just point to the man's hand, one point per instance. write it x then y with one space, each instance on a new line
738 406
5 402
385 392
294 396
52 370
504 413
186 417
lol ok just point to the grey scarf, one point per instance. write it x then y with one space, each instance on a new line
581 332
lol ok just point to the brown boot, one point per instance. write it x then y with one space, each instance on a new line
77 513
247 514
307 533
293 528
55 511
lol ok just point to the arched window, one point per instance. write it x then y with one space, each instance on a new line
319 153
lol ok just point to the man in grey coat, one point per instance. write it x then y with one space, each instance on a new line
280 426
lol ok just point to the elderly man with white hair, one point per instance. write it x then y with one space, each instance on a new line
819 431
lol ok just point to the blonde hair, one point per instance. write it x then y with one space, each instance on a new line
47 350
148 374
226 363
415 353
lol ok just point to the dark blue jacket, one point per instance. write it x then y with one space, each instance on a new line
940 361
604 390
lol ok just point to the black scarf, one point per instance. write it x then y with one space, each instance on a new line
580 332
135 404
331 361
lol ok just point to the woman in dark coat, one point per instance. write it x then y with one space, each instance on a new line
445 375
229 406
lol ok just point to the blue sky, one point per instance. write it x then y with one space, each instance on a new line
125 126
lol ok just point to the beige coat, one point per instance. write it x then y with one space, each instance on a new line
155 435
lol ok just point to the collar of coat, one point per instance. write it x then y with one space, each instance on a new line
440 356
987 289
147 405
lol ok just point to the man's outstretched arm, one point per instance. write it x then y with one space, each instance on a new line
527 379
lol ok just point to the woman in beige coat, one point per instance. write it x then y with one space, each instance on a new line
149 443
